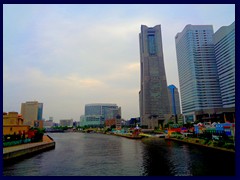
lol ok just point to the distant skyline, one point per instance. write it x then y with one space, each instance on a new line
66 56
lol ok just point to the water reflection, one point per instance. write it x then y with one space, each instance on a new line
78 154
155 158
164 158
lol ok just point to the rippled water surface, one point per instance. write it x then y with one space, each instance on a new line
78 154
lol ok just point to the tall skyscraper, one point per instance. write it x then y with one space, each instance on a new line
198 75
224 41
31 110
153 96
174 100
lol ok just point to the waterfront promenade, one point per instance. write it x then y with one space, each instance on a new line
21 150
188 140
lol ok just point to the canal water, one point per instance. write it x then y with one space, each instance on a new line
80 154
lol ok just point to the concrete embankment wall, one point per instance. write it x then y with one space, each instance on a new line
25 150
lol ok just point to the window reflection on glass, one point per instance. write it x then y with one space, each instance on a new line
151 45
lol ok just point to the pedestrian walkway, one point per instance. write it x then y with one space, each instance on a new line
10 149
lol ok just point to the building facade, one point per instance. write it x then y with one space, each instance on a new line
48 123
153 95
91 121
97 113
66 122
13 124
197 69
40 111
224 45
174 101
31 110
101 109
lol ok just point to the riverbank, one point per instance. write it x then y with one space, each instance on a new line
76 154
197 142
24 150
128 136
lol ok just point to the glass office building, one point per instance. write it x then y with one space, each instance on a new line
40 111
97 113
101 109
198 74
174 101
224 41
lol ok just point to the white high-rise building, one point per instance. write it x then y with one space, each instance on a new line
198 75
224 41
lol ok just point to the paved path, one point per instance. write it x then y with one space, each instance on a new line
46 140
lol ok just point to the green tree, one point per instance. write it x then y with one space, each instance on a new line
113 126
38 134
188 125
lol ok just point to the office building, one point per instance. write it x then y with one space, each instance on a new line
114 118
153 95
97 113
91 121
66 122
174 101
113 113
31 110
224 45
198 75
48 124
101 109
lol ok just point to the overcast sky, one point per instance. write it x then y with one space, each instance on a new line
66 56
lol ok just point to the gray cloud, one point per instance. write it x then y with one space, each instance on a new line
69 55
